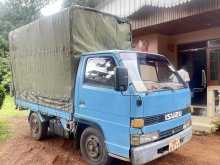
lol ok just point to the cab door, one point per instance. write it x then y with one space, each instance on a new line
98 102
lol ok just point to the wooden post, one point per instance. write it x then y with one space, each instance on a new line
218 100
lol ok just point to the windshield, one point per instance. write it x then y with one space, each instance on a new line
151 72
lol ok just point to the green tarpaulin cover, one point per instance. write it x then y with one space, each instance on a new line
42 53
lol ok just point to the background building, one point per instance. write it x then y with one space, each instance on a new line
188 33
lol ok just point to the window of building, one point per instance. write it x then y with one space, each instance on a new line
214 60
100 71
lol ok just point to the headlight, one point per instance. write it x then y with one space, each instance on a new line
145 138
187 124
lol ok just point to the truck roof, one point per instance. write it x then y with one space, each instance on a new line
120 51
123 20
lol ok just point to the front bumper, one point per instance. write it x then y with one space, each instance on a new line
146 153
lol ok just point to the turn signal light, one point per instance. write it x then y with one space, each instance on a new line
187 124
137 123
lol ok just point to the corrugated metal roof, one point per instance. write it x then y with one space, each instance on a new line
147 13
150 16
125 8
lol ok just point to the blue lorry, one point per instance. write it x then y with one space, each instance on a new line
120 104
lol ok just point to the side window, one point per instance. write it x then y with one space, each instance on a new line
100 71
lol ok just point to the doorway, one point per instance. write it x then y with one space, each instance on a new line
193 58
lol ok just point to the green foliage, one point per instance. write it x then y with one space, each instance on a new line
17 13
4 130
3 47
5 75
2 95
8 109
86 3
6 113
13 14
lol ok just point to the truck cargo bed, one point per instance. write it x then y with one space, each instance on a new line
42 53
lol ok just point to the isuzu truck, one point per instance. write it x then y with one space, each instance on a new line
76 73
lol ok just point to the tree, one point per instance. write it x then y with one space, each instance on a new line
13 14
5 75
2 95
3 47
17 13
86 3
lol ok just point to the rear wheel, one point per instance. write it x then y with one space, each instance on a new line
93 148
38 129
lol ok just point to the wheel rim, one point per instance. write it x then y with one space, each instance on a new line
34 125
93 148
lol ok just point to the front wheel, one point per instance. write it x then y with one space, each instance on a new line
93 148
38 129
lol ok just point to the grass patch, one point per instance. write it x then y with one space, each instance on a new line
8 109
4 130
8 112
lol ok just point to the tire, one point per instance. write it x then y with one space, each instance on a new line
93 148
38 129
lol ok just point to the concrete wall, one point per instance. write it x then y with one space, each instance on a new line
167 45
158 43
202 35
152 41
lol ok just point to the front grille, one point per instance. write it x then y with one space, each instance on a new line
171 132
149 120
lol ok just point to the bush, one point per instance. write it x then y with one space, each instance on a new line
5 74
2 95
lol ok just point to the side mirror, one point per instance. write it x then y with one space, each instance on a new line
121 79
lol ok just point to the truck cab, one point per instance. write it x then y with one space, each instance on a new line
136 101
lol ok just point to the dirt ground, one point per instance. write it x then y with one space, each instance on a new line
21 149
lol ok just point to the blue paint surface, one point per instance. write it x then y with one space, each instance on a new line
107 107
44 109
